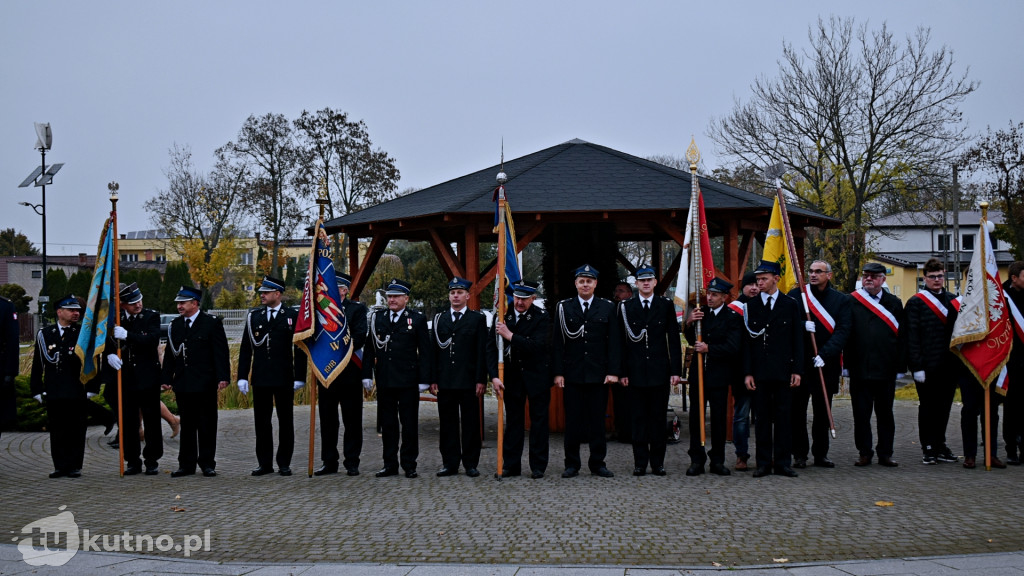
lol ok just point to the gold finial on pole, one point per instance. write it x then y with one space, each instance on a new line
984 210
321 197
693 155
113 187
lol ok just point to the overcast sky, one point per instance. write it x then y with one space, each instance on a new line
439 84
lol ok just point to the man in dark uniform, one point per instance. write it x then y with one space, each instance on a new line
773 362
586 353
742 398
277 368
400 356
722 331
874 355
1013 407
460 373
620 398
652 362
139 339
56 372
525 330
347 392
830 325
196 365
8 362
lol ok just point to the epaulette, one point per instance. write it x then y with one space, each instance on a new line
566 301
604 299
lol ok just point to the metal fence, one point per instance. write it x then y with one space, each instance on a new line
234 321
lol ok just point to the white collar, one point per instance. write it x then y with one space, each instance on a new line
717 310
192 319
396 313
582 301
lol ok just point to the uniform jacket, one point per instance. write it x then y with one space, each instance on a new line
873 352
587 348
526 356
724 335
267 357
356 314
399 355
55 367
196 358
140 359
927 337
778 353
657 354
8 340
830 344
1016 364
460 350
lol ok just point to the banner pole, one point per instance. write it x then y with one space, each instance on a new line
502 302
115 301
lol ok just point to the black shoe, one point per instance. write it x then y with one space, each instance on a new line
58 474
603 472
472 472
108 428
786 471
761 471
132 470
511 473
209 472
353 471
385 472
1013 460
660 471
536 474
326 469
571 473
114 444
826 463
946 455
448 472
152 470
411 474
720 470
260 471
887 461
182 472
76 473
695 470
800 463
285 471
638 471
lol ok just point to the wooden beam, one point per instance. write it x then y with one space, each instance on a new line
445 255
621 259
361 276
473 263
746 245
670 274
353 254
656 257
489 272
730 241
671 231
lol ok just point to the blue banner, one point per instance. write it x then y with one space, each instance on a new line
92 340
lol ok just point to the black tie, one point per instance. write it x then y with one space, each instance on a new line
647 306
188 323
586 308
769 302
394 317
272 314
457 315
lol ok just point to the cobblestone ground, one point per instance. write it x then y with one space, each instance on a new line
822 516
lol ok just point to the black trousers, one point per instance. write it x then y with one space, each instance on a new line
101 414
585 406
451 404
810 390
66 422
718 397
198 412
264 401
394 406
1012 414
973 396
936 396
773 400
876 395
623 422
515 430
148 402
347 393
647 409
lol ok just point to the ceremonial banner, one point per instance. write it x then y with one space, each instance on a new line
321 329
983 331
776 250
92 339
512 273
707 272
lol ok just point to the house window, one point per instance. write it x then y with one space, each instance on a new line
37 274
161 258
945 242
968 242
245 258
129 257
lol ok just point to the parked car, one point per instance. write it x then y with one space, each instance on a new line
165 323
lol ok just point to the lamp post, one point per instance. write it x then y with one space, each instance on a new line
41 177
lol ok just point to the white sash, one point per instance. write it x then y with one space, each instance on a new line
812 305
861 295
935 304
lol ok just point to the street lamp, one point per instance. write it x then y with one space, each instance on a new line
41 177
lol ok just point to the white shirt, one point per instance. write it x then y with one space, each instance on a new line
587 302
395 314
461 311
273 311
774 297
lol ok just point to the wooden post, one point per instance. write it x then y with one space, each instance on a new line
115 302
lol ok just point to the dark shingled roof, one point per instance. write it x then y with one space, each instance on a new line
576 176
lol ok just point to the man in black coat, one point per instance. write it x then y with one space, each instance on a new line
139 339
277 369
874 356
721 338
196 366
1013 407
586 351
742 398
460 372
830 325
56 372
652 362
347 392
773 362
8 362
399 355
525 331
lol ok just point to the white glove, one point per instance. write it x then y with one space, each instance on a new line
299 384
39 398
90 394
367 384
243 386
919 376
120 333
424 387
809 326
114 361
818 362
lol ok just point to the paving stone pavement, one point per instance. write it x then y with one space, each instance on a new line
824 522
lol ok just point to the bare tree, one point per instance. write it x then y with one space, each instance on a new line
856 115
998 158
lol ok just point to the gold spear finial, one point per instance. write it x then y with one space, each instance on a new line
693 155
321 193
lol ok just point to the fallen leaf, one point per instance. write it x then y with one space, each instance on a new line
989 540
780 560
884 503
716 564
177 509
178 497
441 533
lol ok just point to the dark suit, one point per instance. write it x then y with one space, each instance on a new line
927 338
830 348
651 354
399 357
269 360
460 363
346 391
772 358
585 349
55 372
526 377
8 362
195 362
140 386
723 333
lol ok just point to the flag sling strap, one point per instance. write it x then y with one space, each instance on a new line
861 295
